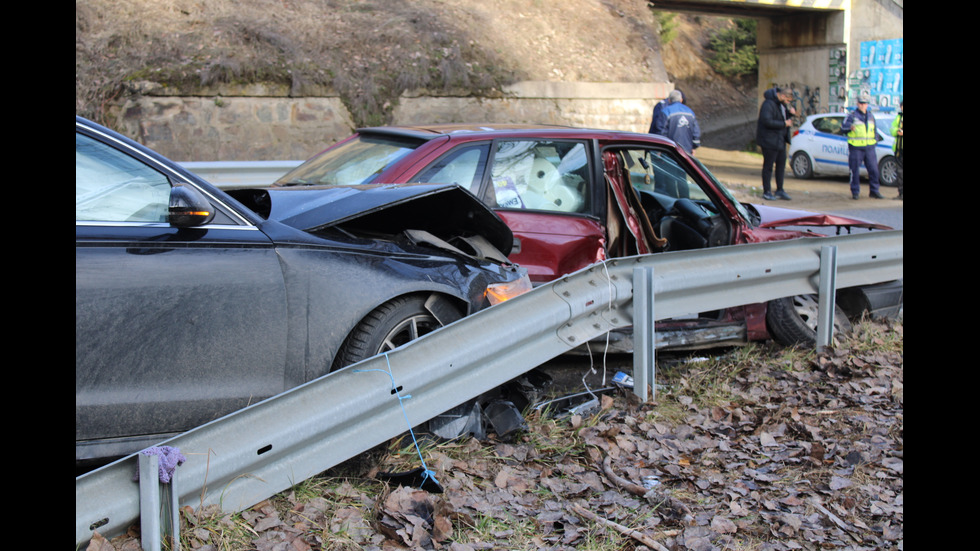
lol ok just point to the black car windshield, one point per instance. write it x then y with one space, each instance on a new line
357 161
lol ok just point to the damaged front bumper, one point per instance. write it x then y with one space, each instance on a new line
880 301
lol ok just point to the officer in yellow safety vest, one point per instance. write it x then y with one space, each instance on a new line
859 126
898 131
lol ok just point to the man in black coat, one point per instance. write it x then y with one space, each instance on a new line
772 135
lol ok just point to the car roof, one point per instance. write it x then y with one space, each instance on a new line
447 128
490 130
877 114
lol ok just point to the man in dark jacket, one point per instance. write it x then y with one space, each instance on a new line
680 124
772 134
658 124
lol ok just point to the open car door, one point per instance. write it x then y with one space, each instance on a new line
629 229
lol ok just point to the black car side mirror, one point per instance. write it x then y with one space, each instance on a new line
188 207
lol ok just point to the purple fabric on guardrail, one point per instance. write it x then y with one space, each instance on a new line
169 459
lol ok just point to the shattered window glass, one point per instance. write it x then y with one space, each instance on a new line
541 175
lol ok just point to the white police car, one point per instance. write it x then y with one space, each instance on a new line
818 148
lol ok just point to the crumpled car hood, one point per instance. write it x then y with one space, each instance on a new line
773 217
441 209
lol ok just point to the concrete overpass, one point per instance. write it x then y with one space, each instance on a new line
828 51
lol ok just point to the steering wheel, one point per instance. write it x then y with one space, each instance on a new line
689 210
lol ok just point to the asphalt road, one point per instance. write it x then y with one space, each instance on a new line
740 171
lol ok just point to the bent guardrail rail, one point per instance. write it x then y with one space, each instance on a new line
266 448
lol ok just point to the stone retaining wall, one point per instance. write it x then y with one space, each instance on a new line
237 126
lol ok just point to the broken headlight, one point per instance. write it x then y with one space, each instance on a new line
499 292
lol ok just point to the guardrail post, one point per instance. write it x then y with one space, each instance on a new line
826 299
158 507
644 339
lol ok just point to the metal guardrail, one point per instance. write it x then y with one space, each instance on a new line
266 448
240 173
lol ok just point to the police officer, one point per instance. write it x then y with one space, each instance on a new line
859 126
899 132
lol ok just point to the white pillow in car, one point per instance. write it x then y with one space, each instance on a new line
556 199
543 176
562 199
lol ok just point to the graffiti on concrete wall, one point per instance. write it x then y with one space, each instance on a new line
806 101
837 73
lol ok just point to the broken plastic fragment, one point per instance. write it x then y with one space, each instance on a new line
651 481
623 380
586 409
420 478
505 419
582 403
462 420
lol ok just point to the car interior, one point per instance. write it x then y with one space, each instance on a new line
678 209
554 176
535 175
830 125
540 175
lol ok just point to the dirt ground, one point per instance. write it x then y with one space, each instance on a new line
370 51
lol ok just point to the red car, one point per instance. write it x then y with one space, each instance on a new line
573 197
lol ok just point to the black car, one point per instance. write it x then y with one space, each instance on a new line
191 303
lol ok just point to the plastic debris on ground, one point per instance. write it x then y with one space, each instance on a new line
623 380
497 411
504 419
581 403
462 420
416 478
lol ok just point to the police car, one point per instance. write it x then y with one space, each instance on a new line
819 149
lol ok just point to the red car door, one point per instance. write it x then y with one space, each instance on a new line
545 190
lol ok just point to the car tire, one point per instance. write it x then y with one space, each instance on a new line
801 165
393 324
888 171
793 320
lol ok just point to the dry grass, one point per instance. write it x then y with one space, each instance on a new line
367 51
759 448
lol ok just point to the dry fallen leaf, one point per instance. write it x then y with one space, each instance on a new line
791 460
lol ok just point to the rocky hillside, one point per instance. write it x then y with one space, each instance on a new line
370 51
